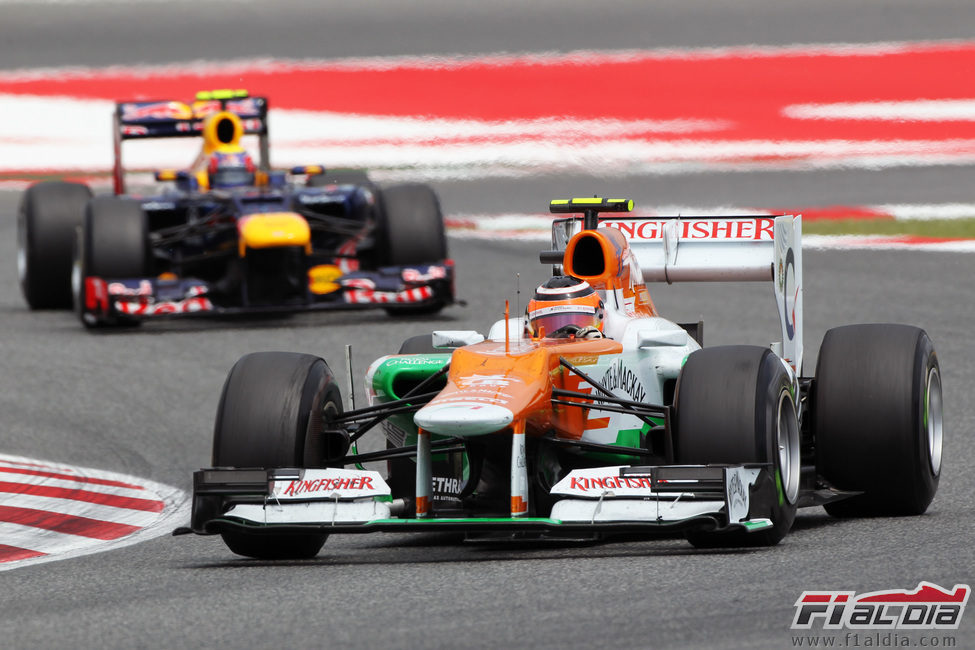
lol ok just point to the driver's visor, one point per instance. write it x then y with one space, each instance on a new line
546 320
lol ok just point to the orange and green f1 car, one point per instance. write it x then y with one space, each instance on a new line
589 415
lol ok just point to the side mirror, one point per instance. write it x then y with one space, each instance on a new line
455 338
658 338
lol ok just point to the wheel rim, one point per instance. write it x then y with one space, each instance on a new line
933 421
22 253
76 281
787 441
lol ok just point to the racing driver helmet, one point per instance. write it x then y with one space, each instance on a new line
230 169
564 306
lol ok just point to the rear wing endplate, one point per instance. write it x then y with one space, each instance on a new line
144 120
716 249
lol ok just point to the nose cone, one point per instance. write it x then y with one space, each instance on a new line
274 229
463 418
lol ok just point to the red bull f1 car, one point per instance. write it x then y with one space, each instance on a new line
229 239
619 423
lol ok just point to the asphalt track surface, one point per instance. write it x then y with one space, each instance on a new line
142 402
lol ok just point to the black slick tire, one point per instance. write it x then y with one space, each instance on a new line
735 405
877 418
49 214
272 413
410 230
114 243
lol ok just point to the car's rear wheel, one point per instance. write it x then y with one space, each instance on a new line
736 405
273 412
114 243
877 418
48 216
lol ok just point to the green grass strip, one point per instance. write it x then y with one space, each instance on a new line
936 228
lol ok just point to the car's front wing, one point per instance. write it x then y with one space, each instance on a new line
130 299
657 500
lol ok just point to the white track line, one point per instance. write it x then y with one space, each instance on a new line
126 516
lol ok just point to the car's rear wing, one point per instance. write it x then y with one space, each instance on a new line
708 249
143 120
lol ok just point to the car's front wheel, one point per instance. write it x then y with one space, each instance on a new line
113 243
410 230
273 412
736 405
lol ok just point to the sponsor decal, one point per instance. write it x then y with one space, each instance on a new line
596 482
189 127
358 283
395 434
317 486
252 125
205 108
495 398
788 280
928 607
736 492
432 273
330 484
156 111
194 304
488 381
243 107
619 377
608 482
410 360
445 485
737 481
562 309
134 130
582 359
756 229
122 289
381 297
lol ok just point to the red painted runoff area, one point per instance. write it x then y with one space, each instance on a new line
739 93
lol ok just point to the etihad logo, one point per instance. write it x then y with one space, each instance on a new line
928 607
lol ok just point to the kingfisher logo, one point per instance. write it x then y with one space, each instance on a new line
928 607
